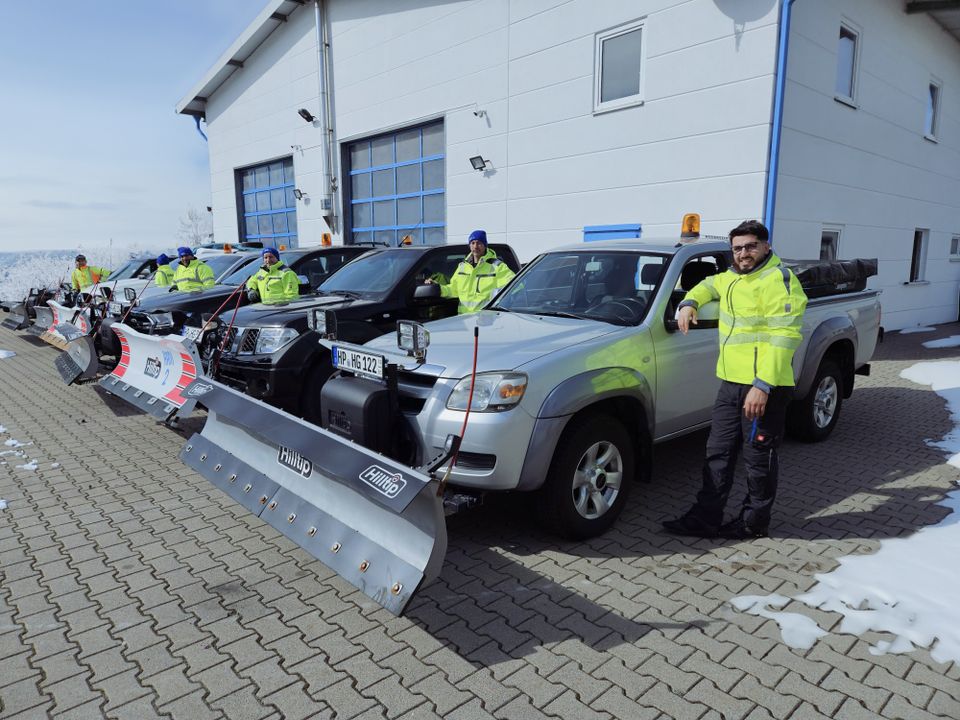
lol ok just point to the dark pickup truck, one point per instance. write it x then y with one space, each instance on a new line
168 313
273 355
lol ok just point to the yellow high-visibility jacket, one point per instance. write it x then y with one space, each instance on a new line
276 285
474 285
761 313
87 275
164 276
197 276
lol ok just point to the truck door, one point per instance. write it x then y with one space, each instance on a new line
687 380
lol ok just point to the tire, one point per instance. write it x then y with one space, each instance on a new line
813 417
589 478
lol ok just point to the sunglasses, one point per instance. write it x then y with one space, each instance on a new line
746 247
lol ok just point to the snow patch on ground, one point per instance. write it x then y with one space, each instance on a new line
952 341
919 329
3 504
54 465
909 587
7 354
16 443
32 465
2 429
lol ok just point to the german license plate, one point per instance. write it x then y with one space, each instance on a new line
360 363
192 333
114 308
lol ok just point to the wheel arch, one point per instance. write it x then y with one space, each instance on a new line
835 337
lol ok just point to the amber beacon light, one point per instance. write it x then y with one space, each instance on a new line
690 226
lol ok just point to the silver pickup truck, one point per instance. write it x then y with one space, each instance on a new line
580 372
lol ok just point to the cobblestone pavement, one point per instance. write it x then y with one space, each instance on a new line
131 588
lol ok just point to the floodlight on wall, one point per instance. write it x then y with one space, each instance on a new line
299 194
306 115
479 163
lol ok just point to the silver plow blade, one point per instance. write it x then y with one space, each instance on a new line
153 372
375 522
17 318
43 321
79 361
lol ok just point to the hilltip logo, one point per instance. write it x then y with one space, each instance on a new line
198 389
383 481
294 460
152 368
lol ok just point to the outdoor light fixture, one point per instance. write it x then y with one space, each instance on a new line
305 114
299 194
479 163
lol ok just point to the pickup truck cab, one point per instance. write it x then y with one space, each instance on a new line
580 372
273 353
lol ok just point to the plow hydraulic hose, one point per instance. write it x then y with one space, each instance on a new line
466 415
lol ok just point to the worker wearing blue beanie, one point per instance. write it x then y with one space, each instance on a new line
478 276
192 274
274 282
164 274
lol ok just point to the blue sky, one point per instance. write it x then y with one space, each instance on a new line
90 145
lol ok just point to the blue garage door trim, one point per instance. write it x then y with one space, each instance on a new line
268 203
397 187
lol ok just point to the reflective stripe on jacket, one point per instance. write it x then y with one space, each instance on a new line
87 275
761 314
276 285
196 276
164 276
474 285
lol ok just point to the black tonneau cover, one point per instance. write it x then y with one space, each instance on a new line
820 278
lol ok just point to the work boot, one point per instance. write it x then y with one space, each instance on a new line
690 526
738 530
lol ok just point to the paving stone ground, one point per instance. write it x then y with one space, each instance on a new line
131 588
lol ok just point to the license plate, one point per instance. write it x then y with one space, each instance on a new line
358 362
114 308
192 333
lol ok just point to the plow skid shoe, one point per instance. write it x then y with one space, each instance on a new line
375 522
17 319
79 361
153 372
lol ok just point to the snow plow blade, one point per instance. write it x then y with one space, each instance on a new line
43 321
79 361
153 372
375 522
67 324
17 318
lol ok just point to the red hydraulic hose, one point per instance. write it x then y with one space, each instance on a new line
226 335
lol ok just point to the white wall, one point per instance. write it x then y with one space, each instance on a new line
869 169
252 118
699 142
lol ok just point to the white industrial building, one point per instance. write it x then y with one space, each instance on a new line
837 122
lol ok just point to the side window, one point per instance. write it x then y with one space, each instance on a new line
315 270
436 264
696 270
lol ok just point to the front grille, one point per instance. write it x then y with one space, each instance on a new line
249 342
476 461
414 389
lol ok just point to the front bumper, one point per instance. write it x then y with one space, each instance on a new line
279 386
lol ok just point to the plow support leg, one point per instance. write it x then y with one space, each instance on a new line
377 523
153 372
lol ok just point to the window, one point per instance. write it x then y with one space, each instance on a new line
847 51
618 67
918 259
397 187
955 247
268 207
829 244
932 118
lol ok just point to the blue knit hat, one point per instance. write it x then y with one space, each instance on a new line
479 236
272 250
184 250
162 259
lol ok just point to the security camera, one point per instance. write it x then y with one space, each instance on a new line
305 114
479 113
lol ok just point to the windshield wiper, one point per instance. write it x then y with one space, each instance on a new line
352 294
561 313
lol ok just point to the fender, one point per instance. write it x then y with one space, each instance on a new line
830 331
569 397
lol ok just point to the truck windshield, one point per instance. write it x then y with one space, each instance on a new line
220 263
372 274
244 273
614 287
125 271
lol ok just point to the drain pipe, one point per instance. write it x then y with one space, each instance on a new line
326 124
773 164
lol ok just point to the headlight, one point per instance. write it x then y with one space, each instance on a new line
159 320
492 392
272 339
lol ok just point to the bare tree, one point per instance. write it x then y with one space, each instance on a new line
195 228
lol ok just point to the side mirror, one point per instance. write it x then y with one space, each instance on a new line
425 293
708 318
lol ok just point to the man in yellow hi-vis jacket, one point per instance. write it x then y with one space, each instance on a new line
274 282
85 276
761 313
191 274
478 277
